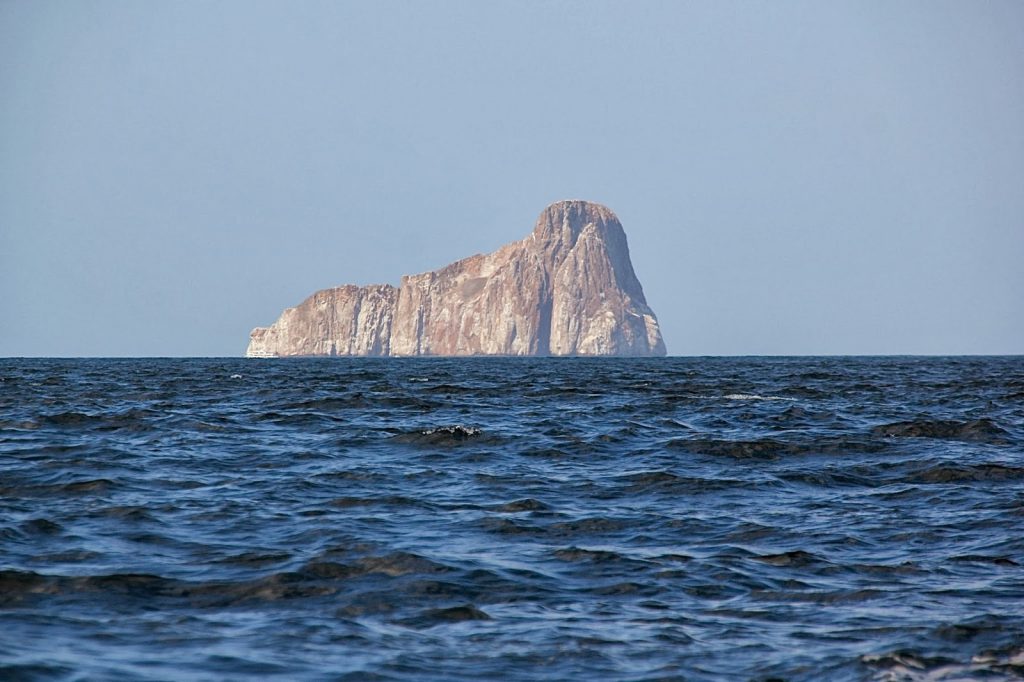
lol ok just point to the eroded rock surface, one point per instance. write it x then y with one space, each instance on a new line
566 289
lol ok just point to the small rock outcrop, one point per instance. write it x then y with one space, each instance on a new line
566 289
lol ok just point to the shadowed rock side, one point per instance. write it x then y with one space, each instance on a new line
567 289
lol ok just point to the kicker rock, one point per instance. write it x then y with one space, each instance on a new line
567 289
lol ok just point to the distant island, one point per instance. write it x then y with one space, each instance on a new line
566 289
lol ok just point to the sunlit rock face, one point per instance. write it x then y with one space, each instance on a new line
566 289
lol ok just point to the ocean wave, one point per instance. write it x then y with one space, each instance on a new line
512 519
754 396
451 614
953 473
453 434
976 430
912 666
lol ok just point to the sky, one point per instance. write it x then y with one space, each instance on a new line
794 177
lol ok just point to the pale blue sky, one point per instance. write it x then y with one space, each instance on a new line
794 177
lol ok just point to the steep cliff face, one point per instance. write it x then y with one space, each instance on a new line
567 289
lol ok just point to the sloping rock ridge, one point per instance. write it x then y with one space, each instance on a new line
566 289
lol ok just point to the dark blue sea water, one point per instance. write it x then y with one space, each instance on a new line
483 519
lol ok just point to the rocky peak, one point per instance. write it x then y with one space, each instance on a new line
561 225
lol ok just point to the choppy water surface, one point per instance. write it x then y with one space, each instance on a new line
798 519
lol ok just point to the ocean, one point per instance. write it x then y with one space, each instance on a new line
512 519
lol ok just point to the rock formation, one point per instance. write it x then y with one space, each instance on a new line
567 289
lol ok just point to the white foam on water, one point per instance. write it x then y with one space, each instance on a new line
454 430
752 396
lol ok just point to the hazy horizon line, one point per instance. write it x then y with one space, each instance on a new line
512 357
